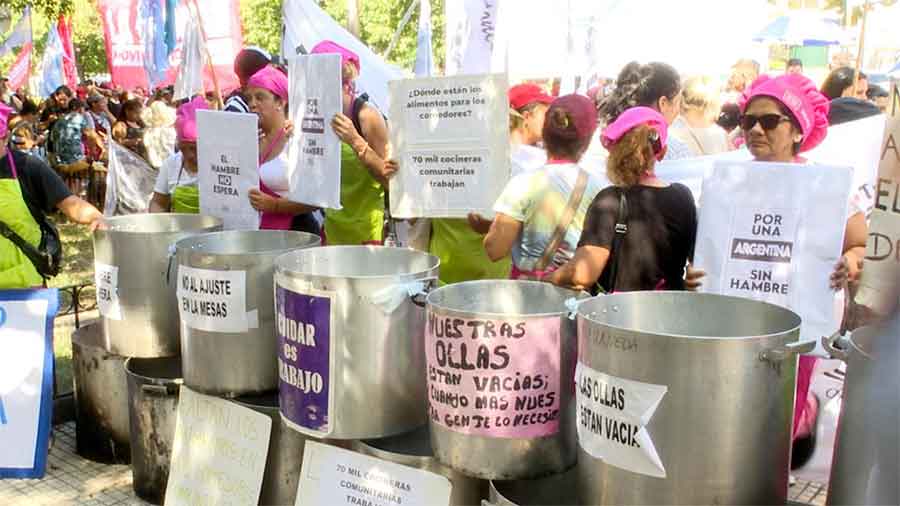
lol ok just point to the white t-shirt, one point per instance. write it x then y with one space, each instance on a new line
526 158
168 177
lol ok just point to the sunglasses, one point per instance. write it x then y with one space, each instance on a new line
767 121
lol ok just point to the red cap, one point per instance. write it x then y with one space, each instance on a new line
521 95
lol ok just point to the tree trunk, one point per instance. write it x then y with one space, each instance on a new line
353 17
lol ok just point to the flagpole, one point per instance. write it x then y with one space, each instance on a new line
209 61
862 45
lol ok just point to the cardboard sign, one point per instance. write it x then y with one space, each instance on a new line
494 377
214 301
26 380
106 279
227 158
879 284
303 327
219 452
758 239
314 151
339 477
613 414
453 158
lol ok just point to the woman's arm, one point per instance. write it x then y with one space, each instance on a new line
849 267
583 270
159 203
501 237
370 145
269 204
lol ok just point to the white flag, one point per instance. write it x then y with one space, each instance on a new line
190 72
424 65
129 182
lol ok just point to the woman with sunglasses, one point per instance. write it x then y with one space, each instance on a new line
364 175
652 254
781 118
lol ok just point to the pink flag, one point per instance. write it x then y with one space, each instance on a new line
21 68
65 36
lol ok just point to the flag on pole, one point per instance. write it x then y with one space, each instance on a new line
19 36
52 73
153 24
171 28
64 27
21 68
424 65
190 71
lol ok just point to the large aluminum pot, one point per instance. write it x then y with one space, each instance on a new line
685 398
101 398
555 490
865 468
153 386
500 357
413 449
234 325
285 455
131 266
350 357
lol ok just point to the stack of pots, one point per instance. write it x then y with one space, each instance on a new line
127 367
685 398
351 359
228 344
500 361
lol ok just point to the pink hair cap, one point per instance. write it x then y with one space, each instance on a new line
801 97
271 79
186 119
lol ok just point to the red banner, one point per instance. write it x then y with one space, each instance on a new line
123 31
21 68
64 27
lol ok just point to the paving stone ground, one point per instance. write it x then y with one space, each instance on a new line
73 480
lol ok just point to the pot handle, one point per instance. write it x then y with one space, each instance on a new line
787 350
420 298
170 257
835 345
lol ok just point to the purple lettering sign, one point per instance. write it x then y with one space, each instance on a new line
303 325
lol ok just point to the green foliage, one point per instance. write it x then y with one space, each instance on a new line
48 8
379 19
87 37
261 20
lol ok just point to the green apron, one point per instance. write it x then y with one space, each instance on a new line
462 253
16 271
362 197
186 199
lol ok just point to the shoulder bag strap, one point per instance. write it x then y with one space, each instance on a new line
565 220
621 230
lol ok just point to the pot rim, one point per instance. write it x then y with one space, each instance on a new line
182 246
281 269
795 328
211 224
513 282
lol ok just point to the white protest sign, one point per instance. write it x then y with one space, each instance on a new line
219 452
774 232
879 287
857 144
336 477
106 279
26 380
613 414
214 301
453 158
314 151
692 171
228 157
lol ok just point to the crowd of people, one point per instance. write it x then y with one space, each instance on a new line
584 207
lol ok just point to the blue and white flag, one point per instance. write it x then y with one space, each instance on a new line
19 36
52 74
424 65
152 22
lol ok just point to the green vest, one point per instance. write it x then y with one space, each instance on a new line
362 197
462 253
